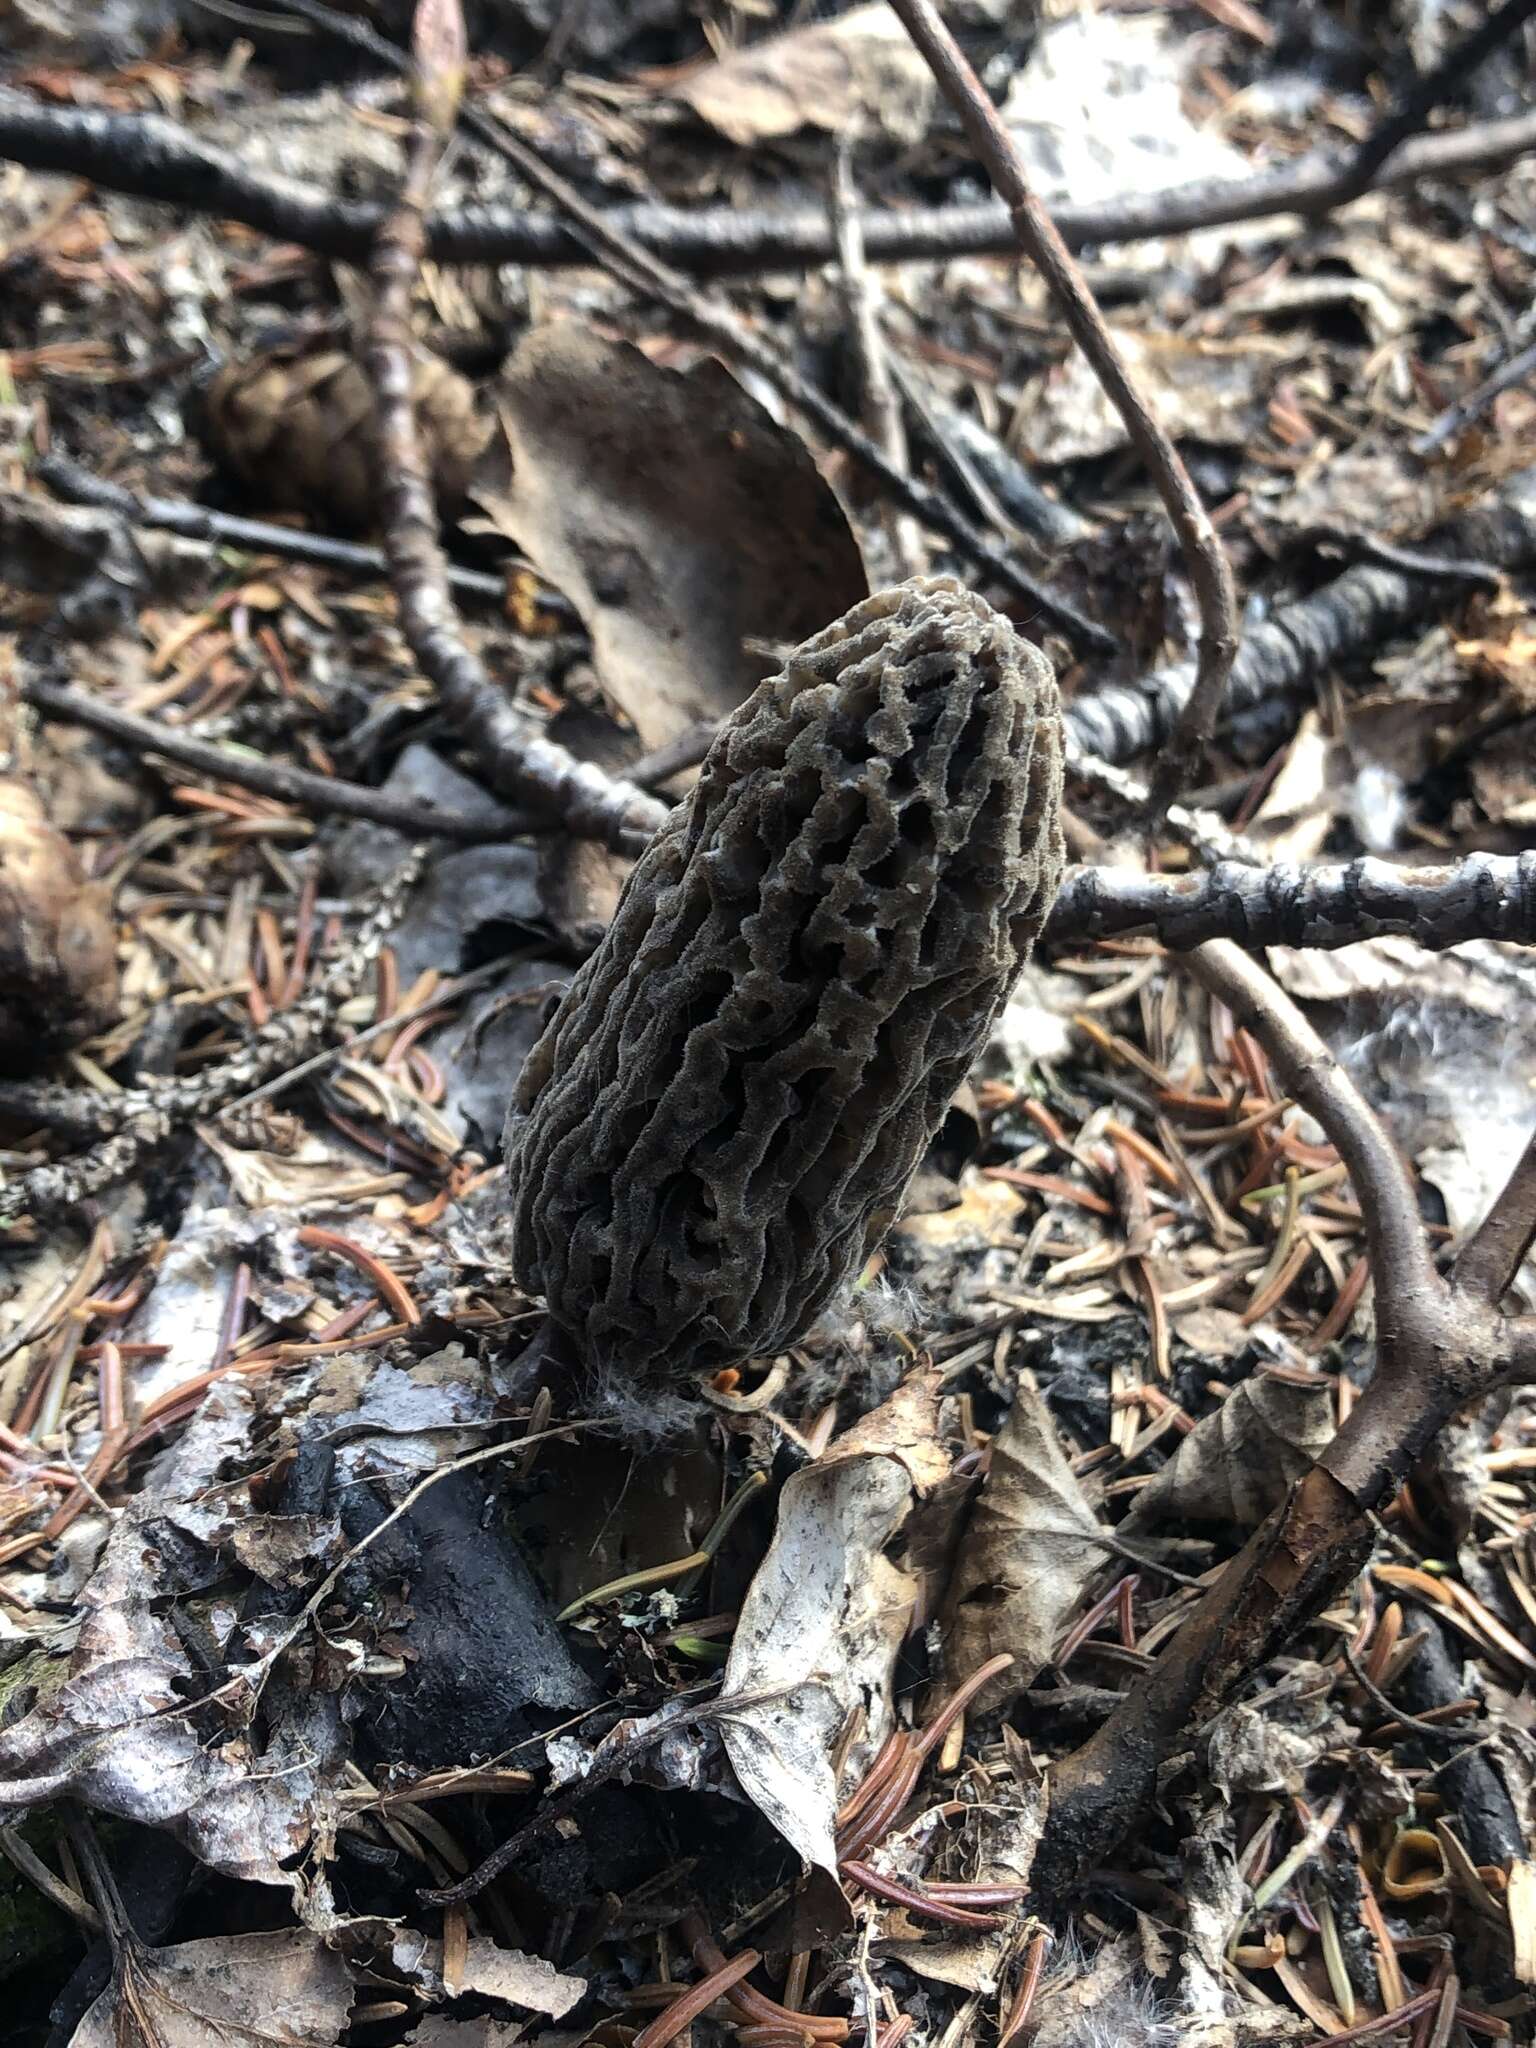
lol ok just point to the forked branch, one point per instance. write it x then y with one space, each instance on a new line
1441 1343
517 759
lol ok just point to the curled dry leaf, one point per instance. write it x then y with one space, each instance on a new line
485 1971
1219 1902
1023 1563
58 951
674 514
825 1615
831 75
297 424
286 1988
1238 1462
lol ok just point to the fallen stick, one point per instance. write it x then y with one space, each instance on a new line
147 157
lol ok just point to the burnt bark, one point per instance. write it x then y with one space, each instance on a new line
147 157
1283 656
1485 896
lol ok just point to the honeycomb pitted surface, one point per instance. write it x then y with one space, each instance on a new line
719 1120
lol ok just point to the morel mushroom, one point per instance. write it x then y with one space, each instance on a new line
719 1121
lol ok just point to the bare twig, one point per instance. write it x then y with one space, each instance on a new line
1398 1250
1412 111
882 408
1496 1250
1205 559
77 485
515 756
1285 654
1457 418
1440 1345
323 793
150 158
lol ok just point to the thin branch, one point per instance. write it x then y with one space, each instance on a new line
1401 1266
1485 896
881 406
1458 417
516 757
319 793
1205 559
1413 110
1492 1256
77 485
147 157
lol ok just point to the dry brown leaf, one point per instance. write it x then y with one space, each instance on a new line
832 75
287 1990
1023 1562
674 514
1239 1461
825 1615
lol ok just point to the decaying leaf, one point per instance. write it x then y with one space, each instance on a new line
58 952
833 75
287 1990
1218 1901
674 514
485 1971
297 424
996 1840
1208 391
1023 1564
1249 1749
110 1734
1238 1461
825 1615
264 1179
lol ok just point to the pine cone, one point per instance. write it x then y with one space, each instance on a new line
58 950
719 1121
298 426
